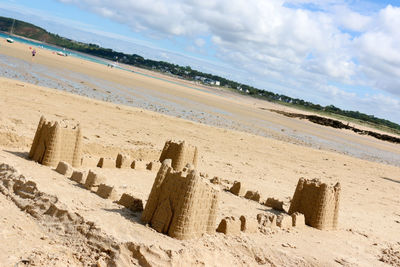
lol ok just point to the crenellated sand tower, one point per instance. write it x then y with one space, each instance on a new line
318 202
180 153
181 204
54 142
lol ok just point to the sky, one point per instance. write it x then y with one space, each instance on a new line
345 53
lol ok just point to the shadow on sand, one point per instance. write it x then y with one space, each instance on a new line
24 155
276 212
128 214
390 179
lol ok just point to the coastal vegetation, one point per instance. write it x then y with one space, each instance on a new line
31 31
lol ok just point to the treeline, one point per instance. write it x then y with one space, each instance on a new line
186 72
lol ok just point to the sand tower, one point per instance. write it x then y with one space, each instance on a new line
181 204
180 153
54 142
318 202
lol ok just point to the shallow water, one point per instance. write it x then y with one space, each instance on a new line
56 49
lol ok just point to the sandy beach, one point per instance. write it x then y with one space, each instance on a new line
215 107
238 140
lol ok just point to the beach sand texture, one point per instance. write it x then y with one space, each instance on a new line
253 150
216 107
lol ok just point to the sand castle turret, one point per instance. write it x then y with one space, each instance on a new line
180 153
181 204
318 202
54 143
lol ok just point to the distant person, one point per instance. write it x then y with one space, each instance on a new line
33 52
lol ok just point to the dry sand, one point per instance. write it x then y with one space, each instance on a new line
369 218
214 107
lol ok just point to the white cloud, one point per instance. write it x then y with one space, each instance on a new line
378 51
349 19
300 43
262 34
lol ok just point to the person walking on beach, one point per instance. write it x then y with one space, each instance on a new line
33 52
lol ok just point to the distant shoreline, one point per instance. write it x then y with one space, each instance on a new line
192 84
61 49
219 108
126 67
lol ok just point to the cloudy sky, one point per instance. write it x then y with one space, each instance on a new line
345 53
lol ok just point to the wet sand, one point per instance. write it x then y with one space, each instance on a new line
214 107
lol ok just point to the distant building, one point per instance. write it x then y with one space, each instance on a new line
208 81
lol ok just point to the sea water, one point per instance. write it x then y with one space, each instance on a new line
55 49
91 58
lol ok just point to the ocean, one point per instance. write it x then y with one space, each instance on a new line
56 49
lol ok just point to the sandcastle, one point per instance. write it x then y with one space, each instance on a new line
153 165
54 143
90 161
233 226
130 202
253 195
64 168
139 165
237 189
180 153
284 221
107 192
274 203
318 202
248 224
79 176
93 179
181 204
106 163
265 222
123 161
229 226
